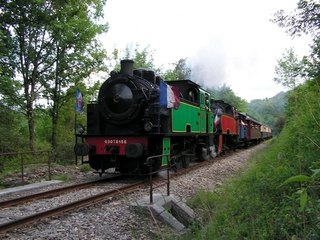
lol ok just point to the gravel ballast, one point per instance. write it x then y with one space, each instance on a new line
116 220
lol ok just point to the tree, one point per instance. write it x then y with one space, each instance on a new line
312 64
180 71
12 128
226 94
142 57
288 70
21 33
76 52
270 111
304 20
50 46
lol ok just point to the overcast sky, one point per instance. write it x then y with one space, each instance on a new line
228 42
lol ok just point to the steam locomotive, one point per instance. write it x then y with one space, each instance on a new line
138 117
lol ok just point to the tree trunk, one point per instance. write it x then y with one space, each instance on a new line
55 107
31 126
29 91
54 116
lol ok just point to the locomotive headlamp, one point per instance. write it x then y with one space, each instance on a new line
148 126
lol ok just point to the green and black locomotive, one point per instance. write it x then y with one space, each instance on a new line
138 115
133 120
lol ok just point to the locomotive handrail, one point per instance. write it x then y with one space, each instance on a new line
145 95
149 163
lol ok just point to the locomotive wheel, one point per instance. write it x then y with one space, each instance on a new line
202 153
186 161
176 163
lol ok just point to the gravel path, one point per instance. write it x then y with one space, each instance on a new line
116 220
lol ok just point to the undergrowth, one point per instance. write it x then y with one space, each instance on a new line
278 196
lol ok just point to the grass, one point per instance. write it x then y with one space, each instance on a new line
256 205
85 168
62 177
35 168
278 197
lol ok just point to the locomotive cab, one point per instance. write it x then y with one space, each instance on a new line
226 125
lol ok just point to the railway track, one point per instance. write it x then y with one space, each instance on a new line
82 203
52 193
76 205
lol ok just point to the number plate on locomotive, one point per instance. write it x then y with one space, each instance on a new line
115 141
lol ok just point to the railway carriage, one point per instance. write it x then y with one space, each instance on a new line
249 130
253 130
266 132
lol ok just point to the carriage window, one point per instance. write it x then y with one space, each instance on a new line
192 95
229 110
211 102
207 100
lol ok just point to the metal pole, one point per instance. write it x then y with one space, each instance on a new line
151 186
49 165
75 133
168 176
22 170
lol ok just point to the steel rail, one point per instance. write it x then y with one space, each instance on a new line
50 193
68 207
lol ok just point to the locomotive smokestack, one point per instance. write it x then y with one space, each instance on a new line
127 67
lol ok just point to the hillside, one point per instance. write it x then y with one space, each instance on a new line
270 111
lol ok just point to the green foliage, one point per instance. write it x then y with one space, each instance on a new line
62 177
226 94
43 126
85 168
14 164
142 57
312 63
45 48
288 70
270 111
308 184
13 129
304 20
278 197
180 71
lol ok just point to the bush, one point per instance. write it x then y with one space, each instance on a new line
278 196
